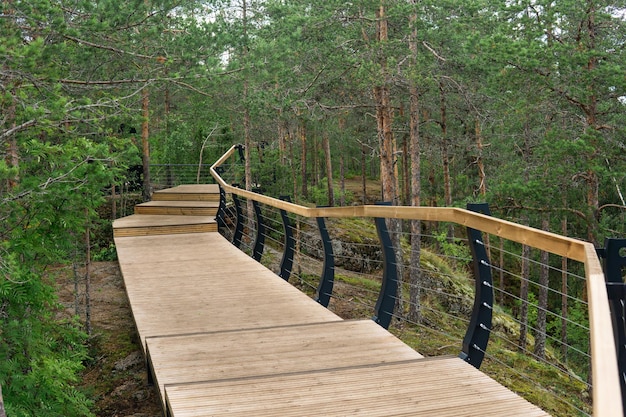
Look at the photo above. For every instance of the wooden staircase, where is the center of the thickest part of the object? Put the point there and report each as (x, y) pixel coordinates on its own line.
(182, 209)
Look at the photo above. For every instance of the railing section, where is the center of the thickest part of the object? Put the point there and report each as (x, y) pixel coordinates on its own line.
(528, 307)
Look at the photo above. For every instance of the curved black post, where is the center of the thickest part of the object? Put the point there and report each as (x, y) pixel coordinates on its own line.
(383, 311)
(238, 234)
(614, 254)
(221, 211)
(240, 148)
(325, 288)
(286, 262)
(259, 242)
(479, 329)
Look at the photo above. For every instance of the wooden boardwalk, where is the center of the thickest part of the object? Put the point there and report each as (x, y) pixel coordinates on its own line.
(225, 336)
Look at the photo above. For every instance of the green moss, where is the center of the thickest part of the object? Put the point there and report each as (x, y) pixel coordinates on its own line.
(354, 229)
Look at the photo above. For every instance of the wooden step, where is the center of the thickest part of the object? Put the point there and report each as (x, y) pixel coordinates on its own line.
(271, 351)
(189, 192)
(147, 225)
(181, 208)
(424, 387)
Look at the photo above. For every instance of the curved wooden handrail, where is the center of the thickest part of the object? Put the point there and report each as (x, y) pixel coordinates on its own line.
(606, 387)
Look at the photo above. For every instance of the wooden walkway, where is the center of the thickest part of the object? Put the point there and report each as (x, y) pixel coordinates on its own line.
(225, 336)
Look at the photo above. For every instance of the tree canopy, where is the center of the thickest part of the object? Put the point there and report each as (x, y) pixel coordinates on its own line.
(519, 103)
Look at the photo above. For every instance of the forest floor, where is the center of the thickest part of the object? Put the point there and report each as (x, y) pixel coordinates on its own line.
(115, 376)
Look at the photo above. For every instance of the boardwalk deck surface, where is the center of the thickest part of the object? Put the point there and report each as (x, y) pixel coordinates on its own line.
(225, 336)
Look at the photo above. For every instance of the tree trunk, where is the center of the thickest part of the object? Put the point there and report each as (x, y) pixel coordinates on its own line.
(12, 155)
(542, 308)
(283, 133)
(302, 132)
(88, 274)
(292, 169)
(415, 274)
(406, 176)
(523, 295)
(482, 187)
(501, 280)
(447, 183)
(12, 150)
(564, 292)
(2, 410)
(363, 174)
(329, 170)
(315, 163)
(145, 144)
(593, 202)
(482, 180)
(342, 182)
(247, 136)
(384, 117)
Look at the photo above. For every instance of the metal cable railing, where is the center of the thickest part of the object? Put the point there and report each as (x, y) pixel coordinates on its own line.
(557, 331)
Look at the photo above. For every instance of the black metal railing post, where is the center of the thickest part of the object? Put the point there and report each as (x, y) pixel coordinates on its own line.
(286, 263)
(259, 241)
(238, 234)
(383, 311)
(479, 329)
(614, 257)
(220, 217)
(327, 280)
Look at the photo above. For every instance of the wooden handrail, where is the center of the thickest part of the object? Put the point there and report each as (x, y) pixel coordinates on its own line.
(606, 387)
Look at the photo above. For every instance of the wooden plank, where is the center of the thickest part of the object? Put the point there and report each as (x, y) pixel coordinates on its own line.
(277, 350)
(144, 225)
(239, 293)
(189, 192)
(145, 220)
(191, 189)
(437, 387)
(190, 208)
(165, 230)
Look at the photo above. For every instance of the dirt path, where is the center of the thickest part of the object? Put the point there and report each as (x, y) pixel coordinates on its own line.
(116, 375)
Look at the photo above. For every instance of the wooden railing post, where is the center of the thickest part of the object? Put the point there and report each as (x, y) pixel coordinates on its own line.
(383, 311)
(614, 256)
(327, 280)
(286, 262)
(479, 329)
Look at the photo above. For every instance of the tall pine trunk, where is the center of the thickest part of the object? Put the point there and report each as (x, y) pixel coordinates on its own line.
(564, 292)
(447, 182)
(523, 295)
(87, 274)
(2, 410)
(329, 169)
(415, 275)
(303, 142)
(542, 308)
(384, 117)
(145, 143)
